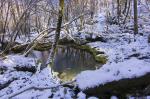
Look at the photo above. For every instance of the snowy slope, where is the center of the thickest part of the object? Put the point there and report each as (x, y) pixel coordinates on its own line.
(127, 58)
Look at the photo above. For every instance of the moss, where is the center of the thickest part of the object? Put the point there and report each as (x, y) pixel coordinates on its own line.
(65, 41)
(101, 58)
(19, 48)
(43, 46)
(39, 47)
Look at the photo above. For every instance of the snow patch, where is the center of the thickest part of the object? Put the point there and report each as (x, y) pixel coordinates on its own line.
(113, 72)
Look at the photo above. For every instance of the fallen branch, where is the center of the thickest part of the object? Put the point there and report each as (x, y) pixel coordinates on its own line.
(43, 34)
(35, 88)
(6, 83)
(36, 40)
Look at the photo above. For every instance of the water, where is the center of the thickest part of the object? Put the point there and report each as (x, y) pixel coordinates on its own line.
(68, 62)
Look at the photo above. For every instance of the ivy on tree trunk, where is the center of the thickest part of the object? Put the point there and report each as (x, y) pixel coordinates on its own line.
(57, 33)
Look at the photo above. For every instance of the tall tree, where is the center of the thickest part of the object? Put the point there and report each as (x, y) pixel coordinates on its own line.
(57, 33)
(127, 11)
(118, 11)
(135, 17)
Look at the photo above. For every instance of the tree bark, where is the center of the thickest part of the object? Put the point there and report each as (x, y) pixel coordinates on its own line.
(125, 6)
(57, 33)
(118, 11)
(135, 17)
(127, 13)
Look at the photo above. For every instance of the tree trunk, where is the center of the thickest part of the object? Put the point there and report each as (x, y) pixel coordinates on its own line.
(125, 6)
(118, 11)
(135, 18)
(127, 13)
(57, 33)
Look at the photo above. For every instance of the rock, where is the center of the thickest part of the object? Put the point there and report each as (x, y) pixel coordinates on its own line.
(65, 40)
(97, 38)
(20, 63)
(144, 57)
(26, 68)
(78, 40)
(112, 20)
(139, 56)
(134, 55)
(3, 69)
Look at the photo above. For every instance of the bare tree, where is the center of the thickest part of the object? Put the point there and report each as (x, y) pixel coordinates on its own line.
(135, 17)
(57, 33)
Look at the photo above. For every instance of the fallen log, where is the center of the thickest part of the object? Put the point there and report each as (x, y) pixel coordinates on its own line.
(40, 47)
(18, 48)
(121, 88)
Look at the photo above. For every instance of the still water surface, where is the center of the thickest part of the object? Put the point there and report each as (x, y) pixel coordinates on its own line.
(68, 62)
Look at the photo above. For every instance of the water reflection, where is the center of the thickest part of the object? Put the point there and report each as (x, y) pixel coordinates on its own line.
(68, 61)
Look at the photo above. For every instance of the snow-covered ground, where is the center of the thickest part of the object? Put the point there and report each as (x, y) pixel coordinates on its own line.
(21, 84)
(27, 85)
(127, 58)
(113, 72)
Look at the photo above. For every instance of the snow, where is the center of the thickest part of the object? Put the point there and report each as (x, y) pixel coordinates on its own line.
(92, 98)
(120, 64)
(147, 97)
(113, 72)
(126, 58)
(63, 93)
(113, 97)
(24, 80)
(18, 60)
(81, 95)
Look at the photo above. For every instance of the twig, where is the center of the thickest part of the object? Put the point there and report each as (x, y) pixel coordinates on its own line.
(34, 87)
(35, 41)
